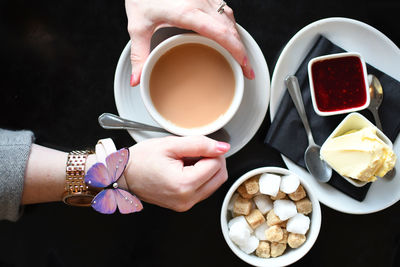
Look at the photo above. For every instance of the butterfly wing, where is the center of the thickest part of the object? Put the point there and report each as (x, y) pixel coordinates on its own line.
(105, 202)
(98, 176)
(127, 203)
(116, 163)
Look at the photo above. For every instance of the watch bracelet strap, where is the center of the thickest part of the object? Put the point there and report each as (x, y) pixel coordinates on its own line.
(104, 147)
(75, 172)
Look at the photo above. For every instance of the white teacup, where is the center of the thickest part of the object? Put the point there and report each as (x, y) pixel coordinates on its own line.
(161, 50)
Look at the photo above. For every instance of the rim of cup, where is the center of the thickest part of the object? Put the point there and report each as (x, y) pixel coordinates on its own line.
(160, 50)
(312, 89)
(288, 257)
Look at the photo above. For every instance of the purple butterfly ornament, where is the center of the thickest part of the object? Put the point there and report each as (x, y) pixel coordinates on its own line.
(106, 177)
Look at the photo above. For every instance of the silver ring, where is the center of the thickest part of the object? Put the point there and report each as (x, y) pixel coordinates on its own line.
(220, 9)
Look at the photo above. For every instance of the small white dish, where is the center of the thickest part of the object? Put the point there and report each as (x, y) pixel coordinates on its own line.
(290, 255)
(238, 131)
(381, 53)
(163, 48)
(356, 121)
(335, 74)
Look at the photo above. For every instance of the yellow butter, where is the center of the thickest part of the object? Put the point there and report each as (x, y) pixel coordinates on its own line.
(359, 155)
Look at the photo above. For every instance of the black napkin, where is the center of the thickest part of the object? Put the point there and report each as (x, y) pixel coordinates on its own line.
(287, 134)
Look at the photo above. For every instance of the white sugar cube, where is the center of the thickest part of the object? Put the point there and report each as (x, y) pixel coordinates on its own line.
(240, 220)
(284, 209)
(239, 234)
(259, 232)
(289, 183)
(298, 224)
(263, 203)
(232, 201)
(250, 245)
(269, 184)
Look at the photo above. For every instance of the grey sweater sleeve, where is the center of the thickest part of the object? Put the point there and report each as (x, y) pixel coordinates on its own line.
(14, 152)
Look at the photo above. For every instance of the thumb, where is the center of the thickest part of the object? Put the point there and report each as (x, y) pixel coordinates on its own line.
(140, 49)
(197, 146)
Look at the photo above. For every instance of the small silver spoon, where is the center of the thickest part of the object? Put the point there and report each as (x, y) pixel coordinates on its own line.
(376, 94)
(315, 165)
(114, 122)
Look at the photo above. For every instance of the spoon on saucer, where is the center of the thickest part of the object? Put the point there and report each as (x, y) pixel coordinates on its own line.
(114, 122)
(376, 93)
(315, 165)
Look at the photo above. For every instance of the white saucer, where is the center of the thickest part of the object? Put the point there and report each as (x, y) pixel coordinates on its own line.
(237, 132)
(377, 50)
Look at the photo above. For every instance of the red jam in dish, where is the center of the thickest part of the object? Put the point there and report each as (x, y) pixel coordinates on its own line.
(339, 83)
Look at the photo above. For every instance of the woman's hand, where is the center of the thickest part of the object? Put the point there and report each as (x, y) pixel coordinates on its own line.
(201, 16)
(157, 172)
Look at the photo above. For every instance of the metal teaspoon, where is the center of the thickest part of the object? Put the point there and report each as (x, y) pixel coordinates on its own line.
(111, 121)
(315, 165)
(376, 93)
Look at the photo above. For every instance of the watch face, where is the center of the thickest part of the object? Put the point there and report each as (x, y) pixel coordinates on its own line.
(79, 200)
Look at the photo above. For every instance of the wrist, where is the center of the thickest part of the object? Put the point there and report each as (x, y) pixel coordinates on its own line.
(44, 179)
(98, 180)
(77, 193)
(108, 179)
(128, 172)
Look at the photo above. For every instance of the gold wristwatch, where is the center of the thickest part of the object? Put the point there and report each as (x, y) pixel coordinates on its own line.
(77, 192)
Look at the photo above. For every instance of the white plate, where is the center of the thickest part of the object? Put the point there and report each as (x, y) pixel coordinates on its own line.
(377, 50)
(238, 131)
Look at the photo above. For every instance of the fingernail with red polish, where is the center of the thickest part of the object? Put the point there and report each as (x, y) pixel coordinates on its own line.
(245, 62)
(252, 74)
(133, 80)
(223, 147)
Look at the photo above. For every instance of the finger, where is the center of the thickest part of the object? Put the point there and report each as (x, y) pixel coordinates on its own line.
(209, 187)
(222, 30)
(195, 146)
(202, 171)
(227, 18)
(229, 12)
(213, 5)
(140, 49)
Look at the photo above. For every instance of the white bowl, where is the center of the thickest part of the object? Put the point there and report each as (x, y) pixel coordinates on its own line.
(160, 50)
(290, 255)
(356, 121)
(312, 86)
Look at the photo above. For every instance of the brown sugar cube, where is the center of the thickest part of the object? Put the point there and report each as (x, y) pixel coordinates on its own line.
(280, 195)
(284, 239)
(283, 224)
(272, 218)
(296, 240)
(274, 233)
(251, 185)
(243, 192)
(304, 206)
(255, 218)
(263, 250)
(277, 249)
(300, 193)
(242, 206)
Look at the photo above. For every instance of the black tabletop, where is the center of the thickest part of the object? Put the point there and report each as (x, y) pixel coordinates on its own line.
(58, 62)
